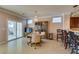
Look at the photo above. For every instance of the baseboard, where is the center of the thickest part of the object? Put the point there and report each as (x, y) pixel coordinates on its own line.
(14, 39)
(4, 42)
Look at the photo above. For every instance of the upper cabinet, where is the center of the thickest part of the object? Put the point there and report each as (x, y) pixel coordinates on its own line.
(74, 22)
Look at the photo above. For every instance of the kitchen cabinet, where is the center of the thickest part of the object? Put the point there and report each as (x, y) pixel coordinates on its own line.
(42, 26)
(74, 22)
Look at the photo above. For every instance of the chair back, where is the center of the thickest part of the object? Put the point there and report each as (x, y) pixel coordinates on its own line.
(59, 31)
(36, 38)
(72, 38)
(59, 34)
(42, 33)
(65, 34)
(73, 41)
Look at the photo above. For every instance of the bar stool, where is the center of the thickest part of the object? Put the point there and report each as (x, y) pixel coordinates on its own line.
(60, 34)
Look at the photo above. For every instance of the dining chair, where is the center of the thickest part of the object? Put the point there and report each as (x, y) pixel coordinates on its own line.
(42, 34)
(73, 42)
(65, 34)
(59, 34)
(77, 44)
(35, 39)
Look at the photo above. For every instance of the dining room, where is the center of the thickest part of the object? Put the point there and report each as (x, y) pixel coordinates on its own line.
(30, 29)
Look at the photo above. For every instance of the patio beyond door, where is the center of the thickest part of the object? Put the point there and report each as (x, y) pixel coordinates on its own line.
(14, 30)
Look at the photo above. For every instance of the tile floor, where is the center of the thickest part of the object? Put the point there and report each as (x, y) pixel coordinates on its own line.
(20, 46)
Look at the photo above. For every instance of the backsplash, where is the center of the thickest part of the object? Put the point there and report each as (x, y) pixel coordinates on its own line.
(75, 29)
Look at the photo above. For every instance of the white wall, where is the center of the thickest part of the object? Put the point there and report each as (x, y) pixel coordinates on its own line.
(66, 24)
(4, 17)
(51, 26)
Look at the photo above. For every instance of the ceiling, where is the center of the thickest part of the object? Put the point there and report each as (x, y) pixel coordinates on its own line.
(42, 10)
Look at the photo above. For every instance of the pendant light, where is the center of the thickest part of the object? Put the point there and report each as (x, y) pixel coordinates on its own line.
(36, 17)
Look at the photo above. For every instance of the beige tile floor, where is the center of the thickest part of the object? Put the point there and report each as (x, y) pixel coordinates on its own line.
(20, 46)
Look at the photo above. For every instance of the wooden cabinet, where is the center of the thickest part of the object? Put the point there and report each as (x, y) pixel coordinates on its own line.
(42, 26)
(74, 22)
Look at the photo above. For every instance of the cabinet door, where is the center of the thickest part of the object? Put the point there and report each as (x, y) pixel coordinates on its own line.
(74, 22)
(78, 22)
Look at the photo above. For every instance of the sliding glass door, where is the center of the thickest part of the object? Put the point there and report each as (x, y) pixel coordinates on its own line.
(14, 30)
(11, 30)
(19, 29)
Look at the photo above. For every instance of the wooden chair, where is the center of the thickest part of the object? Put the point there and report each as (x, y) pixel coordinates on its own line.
(71, 38)
(35, 40)
(29, 40)
(59, 34)
(65, 34)
(77, 44)
(73, 42)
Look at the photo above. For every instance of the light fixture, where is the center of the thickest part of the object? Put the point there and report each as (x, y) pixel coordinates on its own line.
(74, 11)
(36, 17)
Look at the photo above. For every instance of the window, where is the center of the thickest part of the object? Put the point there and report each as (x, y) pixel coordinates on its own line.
(57, 19)
(14, 30)
(29, 21)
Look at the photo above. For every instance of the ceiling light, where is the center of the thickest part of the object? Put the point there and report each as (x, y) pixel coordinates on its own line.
(36, 17)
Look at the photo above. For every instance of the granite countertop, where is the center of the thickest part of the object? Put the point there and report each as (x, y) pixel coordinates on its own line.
(75, 30)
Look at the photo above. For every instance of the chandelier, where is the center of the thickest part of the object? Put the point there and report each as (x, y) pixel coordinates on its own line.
(75, 10)
(36, 17)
